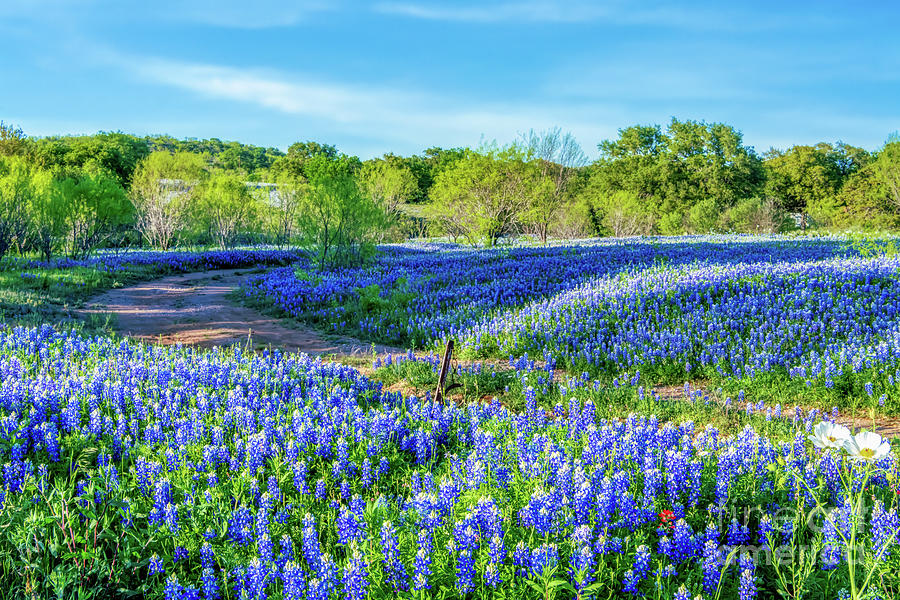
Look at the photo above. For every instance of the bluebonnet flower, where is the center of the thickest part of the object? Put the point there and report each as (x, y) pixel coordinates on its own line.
(355, 580)
(885, 527)
(682, 594)
(638, 571)
(209, 585)
(156, 565)
(422, 566)
(738, 534)
(312, 552)
(747, 588)
(496, 555)
(544, 558)
(294, 581)
(173, 589)
(395, 572)
(463, 544)
(521, 559)
(712, 560)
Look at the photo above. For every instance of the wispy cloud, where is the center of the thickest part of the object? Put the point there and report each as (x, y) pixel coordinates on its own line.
(388, 113)
(614, 12)
(218, 13)
(539, 11)
(258, 14)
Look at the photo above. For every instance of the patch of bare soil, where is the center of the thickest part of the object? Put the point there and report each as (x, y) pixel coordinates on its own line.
(194, 309)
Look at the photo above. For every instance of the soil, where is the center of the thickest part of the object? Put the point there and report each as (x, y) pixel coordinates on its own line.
(194, 309)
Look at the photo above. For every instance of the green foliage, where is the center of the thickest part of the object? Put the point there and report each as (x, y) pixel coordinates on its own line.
(251, 161)
(162, 190)
(755, 215)
(17, 190)
(483, 195)
(115, 153)
(683, 178)
(226, 209)
(622, 214)
(338, 222)
(388, 183)
(93, 205)
(870, 198)
(12, 140)
(869, 246)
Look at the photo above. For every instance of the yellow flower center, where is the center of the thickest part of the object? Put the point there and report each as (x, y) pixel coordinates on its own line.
(831, 438)
(867, 452)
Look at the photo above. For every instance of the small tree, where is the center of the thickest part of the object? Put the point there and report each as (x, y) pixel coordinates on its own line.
(12, 140)
(558, 157)
(16, 194)
(624, 215)
(47, 214)
(227, 208)
(483, 195)
(388, 184)
(162, 189)
(93, 205)
(283, 207)
(339, 221)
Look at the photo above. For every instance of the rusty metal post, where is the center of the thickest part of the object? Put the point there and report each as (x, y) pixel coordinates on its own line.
(442, 377)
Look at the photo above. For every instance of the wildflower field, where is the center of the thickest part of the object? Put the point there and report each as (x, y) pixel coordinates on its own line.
(655, 418)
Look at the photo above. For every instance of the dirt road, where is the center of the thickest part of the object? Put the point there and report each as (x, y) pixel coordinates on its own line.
(194, 309)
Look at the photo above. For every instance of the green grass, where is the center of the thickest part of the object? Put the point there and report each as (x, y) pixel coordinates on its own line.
(610, 401)
(37, 295)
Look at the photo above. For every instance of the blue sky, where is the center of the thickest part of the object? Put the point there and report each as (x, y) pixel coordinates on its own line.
(401, 76)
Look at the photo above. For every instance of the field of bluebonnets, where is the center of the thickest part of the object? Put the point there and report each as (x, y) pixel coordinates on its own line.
(166, 472)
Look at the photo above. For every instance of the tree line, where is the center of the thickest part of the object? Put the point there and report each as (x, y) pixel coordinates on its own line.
(72, 194)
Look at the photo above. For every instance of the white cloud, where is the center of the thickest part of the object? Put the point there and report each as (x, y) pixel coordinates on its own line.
(237, 14)
(541, 11)
(388, 114)
(258, 14)
(617, 12)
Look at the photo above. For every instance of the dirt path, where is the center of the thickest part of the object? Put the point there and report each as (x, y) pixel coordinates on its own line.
(194, 309)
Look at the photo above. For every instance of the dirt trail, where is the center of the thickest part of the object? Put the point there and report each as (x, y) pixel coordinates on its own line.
(194, 309)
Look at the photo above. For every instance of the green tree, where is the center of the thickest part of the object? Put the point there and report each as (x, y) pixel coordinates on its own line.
(870, 198)
(805, 180)
(116, 153)
(47, 213)
(12, 140)
(162, 190)
(16, 195)
(303, 156)
(622, 214)
(338, 220)
(227, 208)
(94, 205)
(282, 207)
(427, 166)
(886, 169)
(558, 157)
(483, 195)
(685, 177)
(755, 215)
(388, 183)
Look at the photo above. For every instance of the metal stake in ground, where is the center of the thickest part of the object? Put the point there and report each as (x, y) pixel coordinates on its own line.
(442, 377)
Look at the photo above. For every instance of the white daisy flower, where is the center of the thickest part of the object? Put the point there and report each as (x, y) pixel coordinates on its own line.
(867, 446)
(829, 435)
